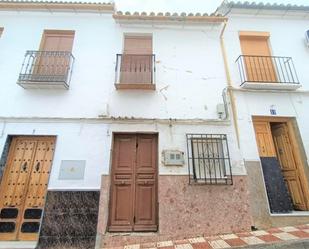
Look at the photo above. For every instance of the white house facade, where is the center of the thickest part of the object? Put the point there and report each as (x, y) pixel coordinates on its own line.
(120, 127)
(115, 123)
(267, 54)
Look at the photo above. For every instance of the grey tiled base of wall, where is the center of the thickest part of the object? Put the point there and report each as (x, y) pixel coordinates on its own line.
(70, 220)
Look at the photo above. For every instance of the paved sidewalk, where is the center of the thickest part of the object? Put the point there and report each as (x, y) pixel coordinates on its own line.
(283, 237)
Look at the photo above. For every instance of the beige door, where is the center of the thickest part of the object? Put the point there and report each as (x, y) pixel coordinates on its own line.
(264, 139)
(136, 63)
(54, 63)
(289, 167)
(23, 187)
(258, 63)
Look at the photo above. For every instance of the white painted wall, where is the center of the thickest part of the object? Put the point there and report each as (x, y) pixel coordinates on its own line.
(287, 38)
(91, 141)
(190, 74)
(189, 80)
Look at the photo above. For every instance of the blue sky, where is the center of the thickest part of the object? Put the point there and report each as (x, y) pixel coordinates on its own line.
(184, 5)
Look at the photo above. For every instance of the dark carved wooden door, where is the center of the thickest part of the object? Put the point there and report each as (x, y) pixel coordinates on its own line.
(134, 183)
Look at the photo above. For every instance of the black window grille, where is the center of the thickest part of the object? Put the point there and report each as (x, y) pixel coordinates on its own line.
(209, 159)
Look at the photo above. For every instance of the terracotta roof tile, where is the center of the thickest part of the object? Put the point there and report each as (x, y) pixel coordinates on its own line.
(186, 17)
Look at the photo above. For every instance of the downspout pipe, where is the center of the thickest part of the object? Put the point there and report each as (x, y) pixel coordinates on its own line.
(229, 84)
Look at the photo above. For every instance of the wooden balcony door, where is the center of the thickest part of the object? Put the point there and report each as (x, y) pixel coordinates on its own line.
(136, 63)
(23, 187)
(133, 204)
(258, 61)
(54, 63)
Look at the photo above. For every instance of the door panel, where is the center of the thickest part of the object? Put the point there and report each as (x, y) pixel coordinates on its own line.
(138, 45)
(259, 64)
(22, 186)
(264, 139)
(37, 187)
(133, 191)
(122, 197)
(145, 215)
(288, 165)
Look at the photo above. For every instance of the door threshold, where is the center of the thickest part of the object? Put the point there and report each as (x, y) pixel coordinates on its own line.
(18, 244)
(293, 213)
(112, 234)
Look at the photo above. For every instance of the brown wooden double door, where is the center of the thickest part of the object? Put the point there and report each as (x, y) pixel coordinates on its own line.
(277, 139)
(133, 203)
(23, 187)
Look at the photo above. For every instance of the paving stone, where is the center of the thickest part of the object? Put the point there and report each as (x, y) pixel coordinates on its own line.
(253, 240)
(203, 245)
(165, 243)
(276, 238)
(197, 240)
(289, 229)
(137, 246)
(300, 234)
(229, 236)
(285, 236)
(184, 246)
(235, 242)
(218, 244)
(260, 232)
(269, 238)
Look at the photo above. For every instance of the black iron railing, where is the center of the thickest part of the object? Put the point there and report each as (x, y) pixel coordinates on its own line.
(49, 67)
(135, 69)
(209, 159)
(266, 69)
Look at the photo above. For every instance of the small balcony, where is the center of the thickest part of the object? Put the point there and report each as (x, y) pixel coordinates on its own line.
(267, 72)
(46, 70)
(135, 71)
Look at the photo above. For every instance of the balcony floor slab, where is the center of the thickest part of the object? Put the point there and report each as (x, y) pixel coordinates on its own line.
(270, 86)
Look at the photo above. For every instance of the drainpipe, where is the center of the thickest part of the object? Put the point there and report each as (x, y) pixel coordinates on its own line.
(229, 84)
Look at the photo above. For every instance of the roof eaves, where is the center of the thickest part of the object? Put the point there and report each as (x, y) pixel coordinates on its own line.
(228, 5)
(183, 17)
(56, 5)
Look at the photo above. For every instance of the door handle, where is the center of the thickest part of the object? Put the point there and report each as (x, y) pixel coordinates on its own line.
(37, 167)
(24, 167)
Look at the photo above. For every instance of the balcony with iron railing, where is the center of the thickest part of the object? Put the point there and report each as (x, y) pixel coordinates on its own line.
(135, 71)
(267, 72)
(46, 69)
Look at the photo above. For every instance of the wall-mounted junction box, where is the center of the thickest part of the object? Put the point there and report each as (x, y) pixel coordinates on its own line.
(173, 158)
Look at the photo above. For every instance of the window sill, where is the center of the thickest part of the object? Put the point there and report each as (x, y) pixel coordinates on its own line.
(270, 86)
(138, 86)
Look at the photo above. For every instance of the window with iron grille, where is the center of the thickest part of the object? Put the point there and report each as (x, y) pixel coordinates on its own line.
(209, 159)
